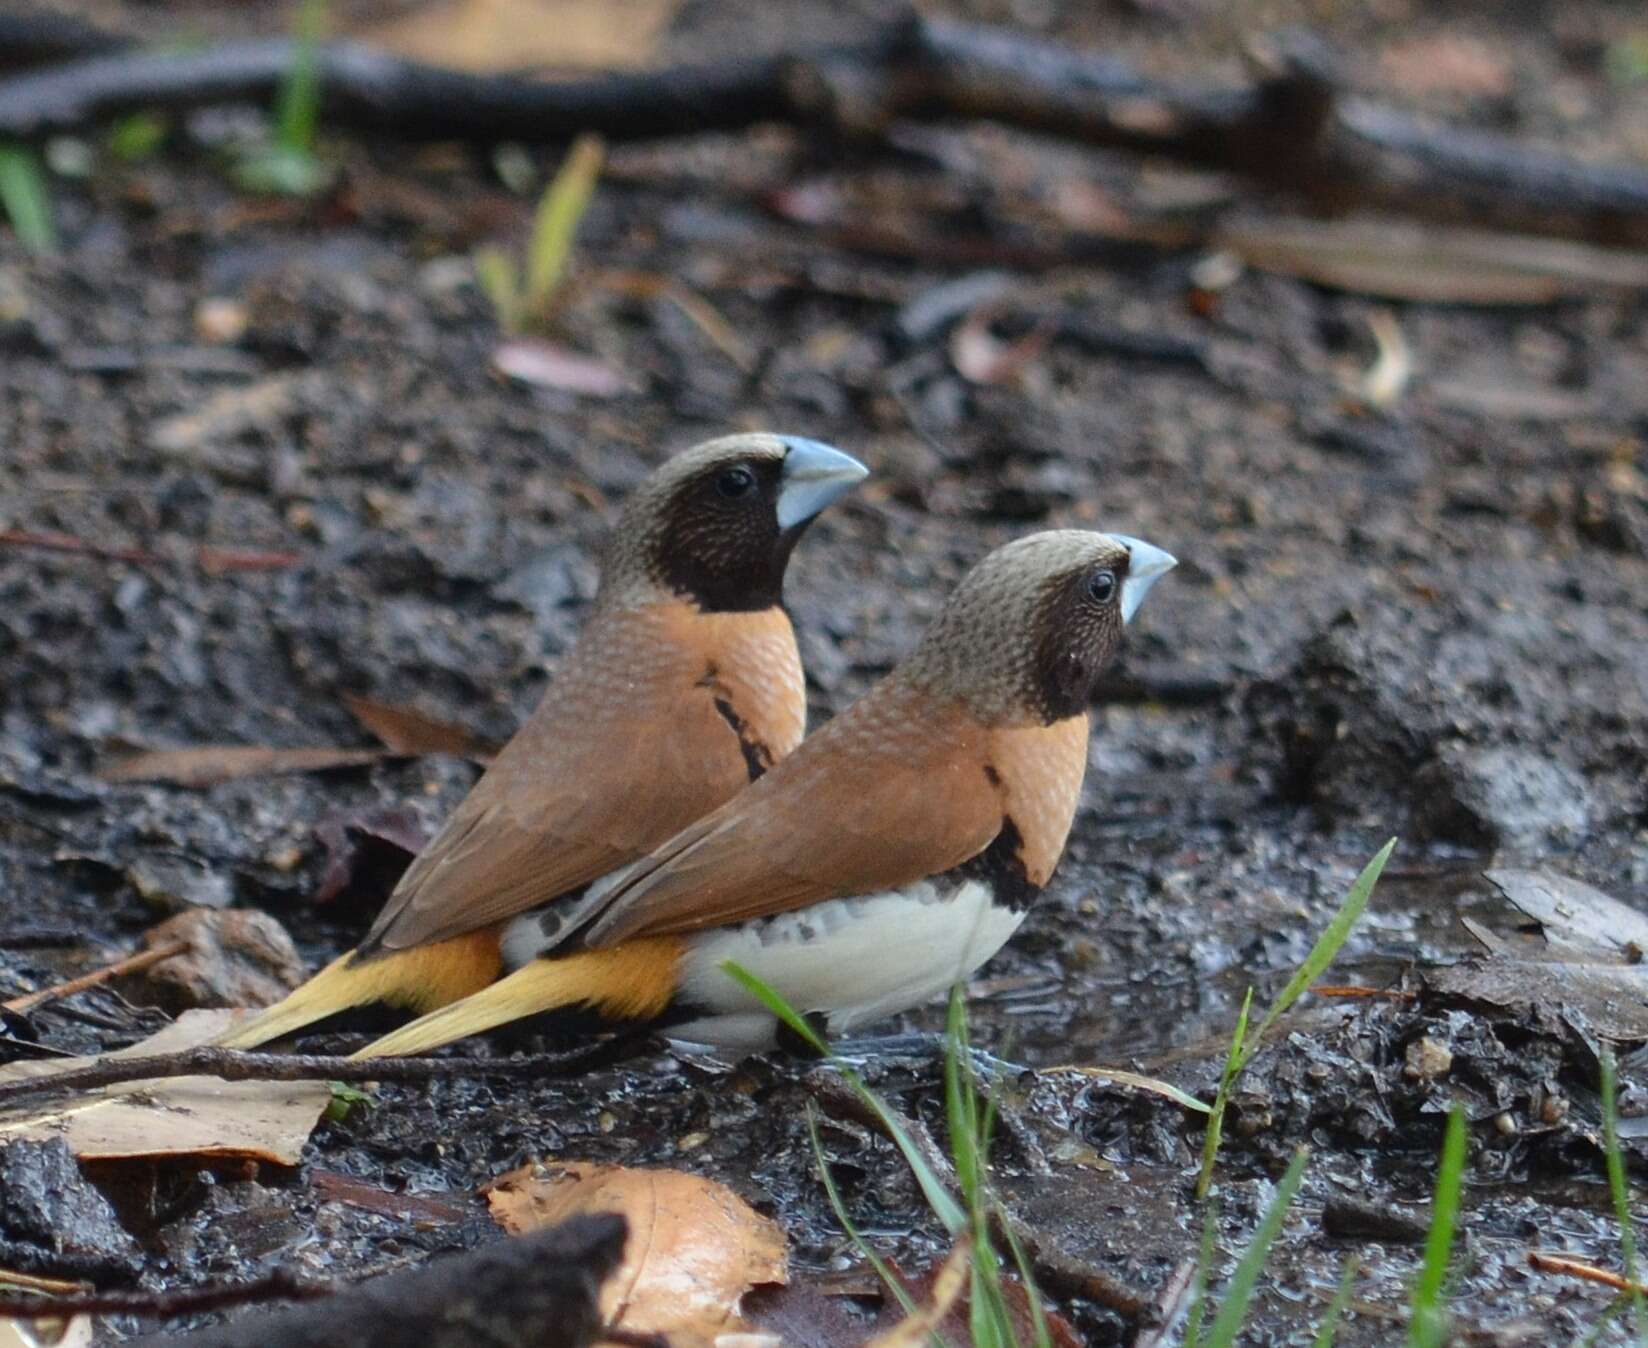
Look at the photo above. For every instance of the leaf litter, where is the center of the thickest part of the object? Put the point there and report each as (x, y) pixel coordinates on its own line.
(695, 1248)
(199, 1118)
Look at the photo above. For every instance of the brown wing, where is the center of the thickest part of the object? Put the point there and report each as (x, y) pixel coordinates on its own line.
(632, 743)
(893, 790)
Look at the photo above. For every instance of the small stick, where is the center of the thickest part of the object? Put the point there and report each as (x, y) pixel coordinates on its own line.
(279, 1285)
(212, 560)
(1170, 1306)
(130, 965)
(230, 1064)
(1357, 990)
(33, 1282)
(1576, 1268)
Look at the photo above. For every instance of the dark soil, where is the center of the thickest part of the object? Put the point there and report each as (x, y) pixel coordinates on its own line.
(1430, 621)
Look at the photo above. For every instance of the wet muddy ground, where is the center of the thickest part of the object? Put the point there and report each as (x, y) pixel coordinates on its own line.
(1429, 621)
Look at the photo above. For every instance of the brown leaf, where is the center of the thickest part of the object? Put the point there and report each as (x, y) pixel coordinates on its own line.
(944, 1289)
(694, 1246)
(408, 731)
(424, 1210)
(1447, 63)
(366, 854)
(180, 1116)
(211, 764)
(493, 36)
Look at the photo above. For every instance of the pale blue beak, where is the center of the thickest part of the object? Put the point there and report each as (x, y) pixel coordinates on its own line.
(814, 477)
(1146, 565)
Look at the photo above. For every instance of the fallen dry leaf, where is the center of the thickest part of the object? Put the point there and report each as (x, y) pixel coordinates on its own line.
(408, 731)
(694, 1247)
(212, 764)
(547, 365)
(496, 36)
(178, 1116)
(1431, 263)
(946, 1285)
(1574, 916)
(1447, 63)
(366, 854)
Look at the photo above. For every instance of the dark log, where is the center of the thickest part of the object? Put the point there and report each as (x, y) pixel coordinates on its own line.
(1294, 129)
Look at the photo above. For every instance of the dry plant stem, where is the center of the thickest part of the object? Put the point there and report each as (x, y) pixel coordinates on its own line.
(277, 1286)
(236, 1065)
(214, 561)
(32, 1282)
(1296, 130)
(1356, 990)
(1170, 1307)
(1575, 1268)
(130, 965)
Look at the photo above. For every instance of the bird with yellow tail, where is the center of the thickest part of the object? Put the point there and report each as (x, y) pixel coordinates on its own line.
(888, 857)
(683, 687)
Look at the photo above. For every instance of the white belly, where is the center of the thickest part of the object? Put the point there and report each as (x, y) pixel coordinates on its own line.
(855, 960)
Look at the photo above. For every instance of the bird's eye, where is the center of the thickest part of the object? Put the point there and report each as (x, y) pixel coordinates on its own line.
(735, 482)
(1102, 586)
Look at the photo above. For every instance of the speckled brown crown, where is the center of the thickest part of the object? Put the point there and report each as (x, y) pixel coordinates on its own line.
(997, 643)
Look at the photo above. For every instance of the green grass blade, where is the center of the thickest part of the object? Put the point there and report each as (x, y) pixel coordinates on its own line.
(1216, 1116)
(1227, 1324)
(1427, 1324)
(875, 1261)
(297, 111)
(1204, 1271)
(1329, 1327)
(26, 197)
(555, 224)
(500, 282)
(961, 1105)
(944, 1207)
(777, 1005)
(1326, 948)
(1620, 1192)
(1038, 1312)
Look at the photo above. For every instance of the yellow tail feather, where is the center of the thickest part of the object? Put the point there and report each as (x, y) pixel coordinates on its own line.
(632, 981)
(417, 980)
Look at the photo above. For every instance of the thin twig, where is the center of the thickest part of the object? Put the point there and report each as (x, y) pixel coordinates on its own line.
(33, 1282)
(1576, 1268)
(1170, 1306)
(130, 965)
(212, 560)
(230, 1064)
(1358, 990)
(277, 1286)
